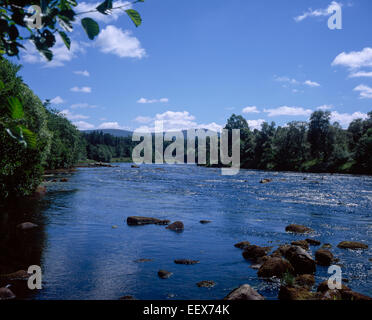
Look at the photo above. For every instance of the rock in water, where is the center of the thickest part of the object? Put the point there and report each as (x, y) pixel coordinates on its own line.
(206, 284)
(64, 180)
(324, 257)
(186, 261)
(6, 294)
(301, 260)
(275, 267)
(266, 180)
(127, 298)
(253, 252)
(134, 166)
(313, 242)
(297, 228)
(244, 292)
(305, 280)
(242, 244)
(18, 275)
(27, 226)
(301, 243)
(295, 293)
(163, 274)
(139, 221)
(353, 245)
(205, 221)
(176, 226)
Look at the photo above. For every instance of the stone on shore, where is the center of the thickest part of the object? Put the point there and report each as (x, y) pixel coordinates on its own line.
(6, 294)
(301, 260)
(313, 242)
(176, 226)
(164, 274)
(26, 226)
(297, 228)
(244, 292)
(139, 221)
(206, 284)
(242, 244)
(186, 261)
(353, 245)
(275, 267)
(324, 257)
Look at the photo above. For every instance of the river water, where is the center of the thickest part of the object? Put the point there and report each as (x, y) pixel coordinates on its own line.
(83, 257)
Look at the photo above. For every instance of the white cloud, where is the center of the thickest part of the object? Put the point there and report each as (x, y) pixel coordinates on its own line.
(81, 89)
(360, 74)
(255, 124)
(84, 73)
(286, 80)
(141, 119)
(57, 100)
(71, 116)
(82, 105)
(144, 100)
(364, 91)
(111, 125)
(61, 54)
(317, 12)
(82, 125)
(354, 59)
(288, 111)
(311, 83)
(325, 107)
(345, 118)
(118, 42)
(250, 109)
(115, 14)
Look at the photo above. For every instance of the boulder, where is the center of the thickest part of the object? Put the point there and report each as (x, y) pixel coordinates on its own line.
(326, 246)
(295, 293)
(186, 261)
(301, 260)
(6, 294)
(163, 274)
(305, 280)
(281, 251)
(242, 244)
(302, 243)
(139, 221)
(253, 252)
(323, 287)
(324, 257)
(275, 267)
(206, 284)
(313, 242)
(353, 245)
(244, 292)
(345, 293)
(26, 226)
(297, 228)
(40, 191)
(176, 226)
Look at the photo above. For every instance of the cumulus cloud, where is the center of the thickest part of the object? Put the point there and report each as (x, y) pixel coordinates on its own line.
(82, 125)
(360, 74)
(71, 116)
(57, 100)
(286, 79)
(288, 111)
(111, 125)
(250, 109)
(364, 91)
(325, 107)
(113, 16)
(120, 43)
(141, 119)
(344, 119)
(317, 12)
(82, 105)
(354, 59)
(84, 73)
(311, 83)
(81, 89)
(255, 124)
(144, 100)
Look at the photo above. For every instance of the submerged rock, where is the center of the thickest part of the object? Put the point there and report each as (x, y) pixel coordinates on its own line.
(142, 260)
(206, 284)
(297, 228)
(353, 245)
(301, 243)
(244, 292)
(313, 242)
(301, 260)
(275, 267)
(324, 257)
(176, 226)
(139, 221)
(6, 294)
(186, 261)
(242, 244)
(27, 226)
(164, 274)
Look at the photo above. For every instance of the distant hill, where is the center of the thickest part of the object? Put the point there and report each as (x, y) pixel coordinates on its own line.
(114, 132)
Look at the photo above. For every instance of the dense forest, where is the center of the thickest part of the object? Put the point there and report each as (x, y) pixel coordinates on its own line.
(54, 142)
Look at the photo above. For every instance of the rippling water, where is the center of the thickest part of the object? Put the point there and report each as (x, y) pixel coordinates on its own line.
(83, 257)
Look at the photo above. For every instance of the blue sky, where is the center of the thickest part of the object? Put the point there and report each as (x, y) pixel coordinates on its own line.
(194, 63)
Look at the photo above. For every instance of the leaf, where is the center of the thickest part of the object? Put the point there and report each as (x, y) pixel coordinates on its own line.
(15, 107)
(91, 27)
(65, 39)
(16, 133)
(29, 137)
(2, 85)
(135, 16)
(105, 6)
